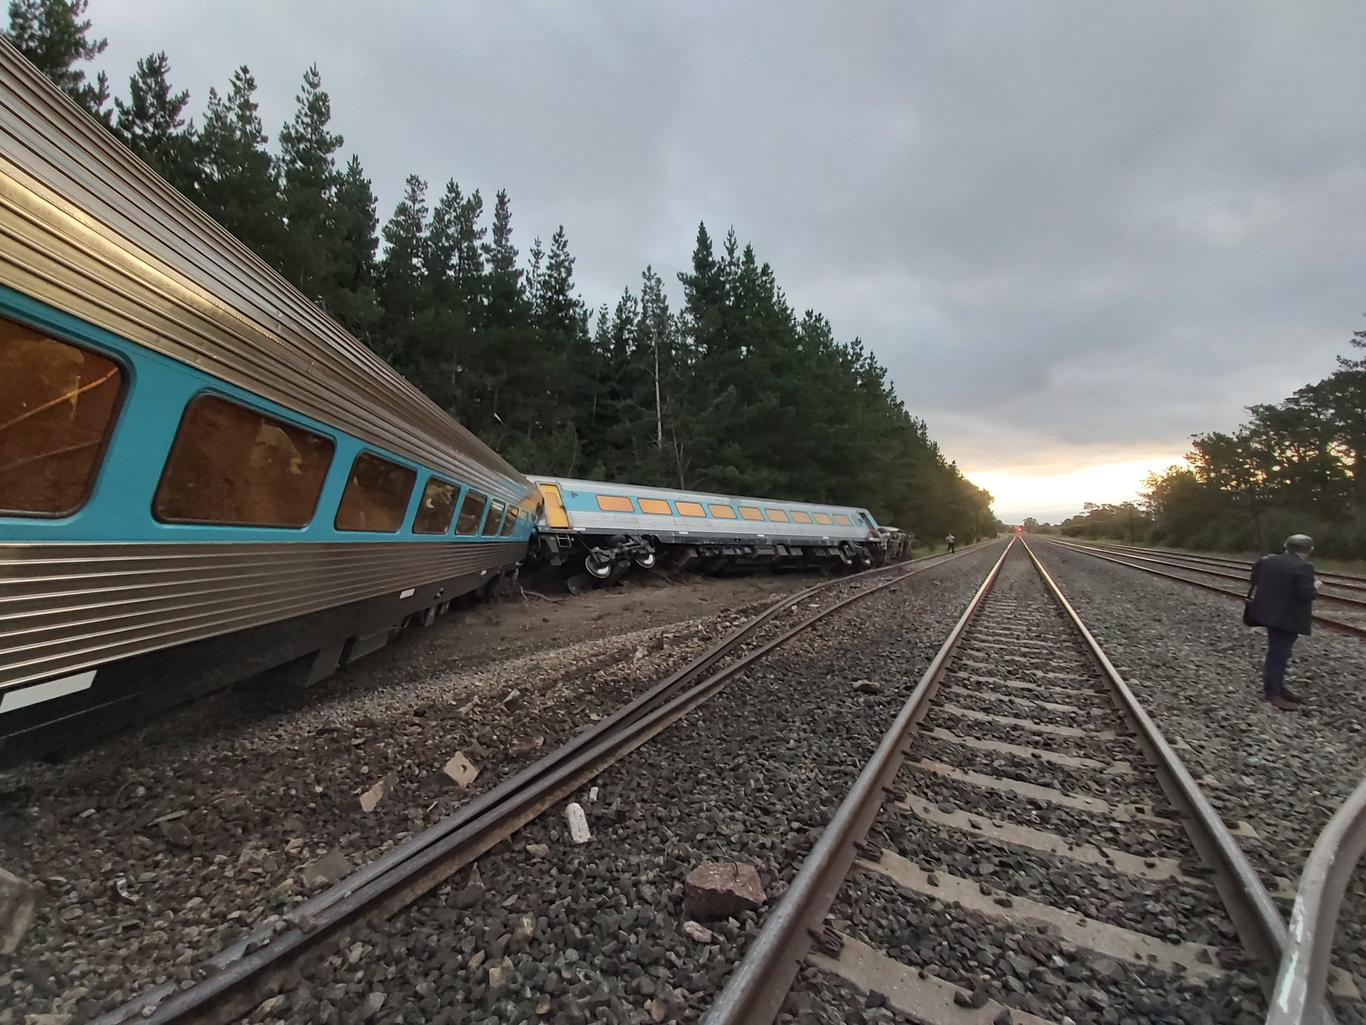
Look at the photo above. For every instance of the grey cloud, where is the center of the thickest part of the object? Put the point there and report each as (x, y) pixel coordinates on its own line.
(1094, 227)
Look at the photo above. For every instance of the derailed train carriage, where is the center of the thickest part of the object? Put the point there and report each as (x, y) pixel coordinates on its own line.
(604, 529)
(202, 476)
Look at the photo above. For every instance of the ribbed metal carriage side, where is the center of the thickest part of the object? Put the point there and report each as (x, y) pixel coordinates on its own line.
(89, 229)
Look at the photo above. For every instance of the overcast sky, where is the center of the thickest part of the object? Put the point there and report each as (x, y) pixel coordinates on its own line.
(1076, 233)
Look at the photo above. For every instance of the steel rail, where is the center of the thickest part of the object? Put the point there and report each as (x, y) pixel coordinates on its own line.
(1223, 572)
(1332, 624)
(1348, 581)
(1299, 996)
(266, 961)
(1250, 907)
(756, 990)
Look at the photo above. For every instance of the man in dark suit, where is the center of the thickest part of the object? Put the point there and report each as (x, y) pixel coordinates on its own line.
(1282, 600)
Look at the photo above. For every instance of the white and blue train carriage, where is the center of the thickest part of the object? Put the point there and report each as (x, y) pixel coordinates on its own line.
(202, 476)
(605, 528)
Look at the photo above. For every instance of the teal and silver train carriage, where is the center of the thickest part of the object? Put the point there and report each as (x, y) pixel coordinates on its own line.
(604, 529)
(202, 476)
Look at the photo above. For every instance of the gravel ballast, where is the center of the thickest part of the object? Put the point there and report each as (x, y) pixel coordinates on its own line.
(596, 932)
(1197, 670)
(950, 899)
(158, 845)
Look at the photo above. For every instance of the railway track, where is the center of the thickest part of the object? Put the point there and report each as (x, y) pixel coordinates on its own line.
(1343, 581)
(1340, 607)
(268, 961)
(1023, 847)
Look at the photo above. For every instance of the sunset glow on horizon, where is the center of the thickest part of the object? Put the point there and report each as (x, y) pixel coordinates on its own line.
(1052, 492)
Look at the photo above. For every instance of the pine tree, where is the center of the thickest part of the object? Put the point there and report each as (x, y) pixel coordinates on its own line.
(309, 181)
(350, 292)
(55, 37)
(238, 186)
(404, 288)
(152, 125)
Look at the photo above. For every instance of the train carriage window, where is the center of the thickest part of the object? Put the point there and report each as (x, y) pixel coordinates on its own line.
(376, 495)
(655, 506)
(750, 512)
(57, 408)
(495, 521)
(437, 508)
(510, 523)
(615, 503)
(776, 515)
(234, 465)
(800, 517)
(842, 520)
(824, 518)
(721, 512)
(690, 509)
(471, 513)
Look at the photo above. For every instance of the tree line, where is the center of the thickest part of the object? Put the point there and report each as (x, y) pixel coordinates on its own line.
(1293, 467)
(734, 391)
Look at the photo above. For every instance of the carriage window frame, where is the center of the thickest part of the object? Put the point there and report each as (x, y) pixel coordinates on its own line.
(479, 517)
(510, 521)
(350, 475)
(693, 509)
(751, 512)
(843, 520)
(776, 515)
(825, 519)
(271, 417)
(455, 505)
(615, 503)
(491, 528)
(125, 379)
(655, 506)
(721, 512)
(800, 516)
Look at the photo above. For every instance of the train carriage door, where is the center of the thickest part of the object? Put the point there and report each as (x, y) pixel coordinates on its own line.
(555, 516)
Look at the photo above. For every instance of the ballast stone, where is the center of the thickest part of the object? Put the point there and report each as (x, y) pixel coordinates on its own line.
(578, 824)
(18, 900)
(719, 889)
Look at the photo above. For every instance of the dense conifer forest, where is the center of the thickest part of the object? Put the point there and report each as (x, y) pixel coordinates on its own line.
(735, 391)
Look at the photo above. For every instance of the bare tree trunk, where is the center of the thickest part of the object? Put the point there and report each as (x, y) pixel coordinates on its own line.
(659, 409)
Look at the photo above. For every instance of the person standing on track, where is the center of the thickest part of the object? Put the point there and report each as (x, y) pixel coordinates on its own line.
(952, 543)
(1281, 598)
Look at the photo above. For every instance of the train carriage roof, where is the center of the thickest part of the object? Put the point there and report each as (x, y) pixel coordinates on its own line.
(645, 491)
(90, 229)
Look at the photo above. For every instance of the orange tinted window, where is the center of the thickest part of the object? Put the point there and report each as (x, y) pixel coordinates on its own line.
(231, 464)
(842, 519)
(437, 507)
(655, 507)
(471, 513)
(800, 517)
(614, 503)
(749, 512)
(824, 518)
(776, 515)
(722, 512)
(57, 406)
(376, 495)
(689, 509)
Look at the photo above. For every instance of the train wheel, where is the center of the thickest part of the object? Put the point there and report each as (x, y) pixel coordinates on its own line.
(599, 565)
(646, 561)
(579, 583)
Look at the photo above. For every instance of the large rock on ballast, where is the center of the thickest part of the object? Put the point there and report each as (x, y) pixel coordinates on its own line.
(719, 889)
